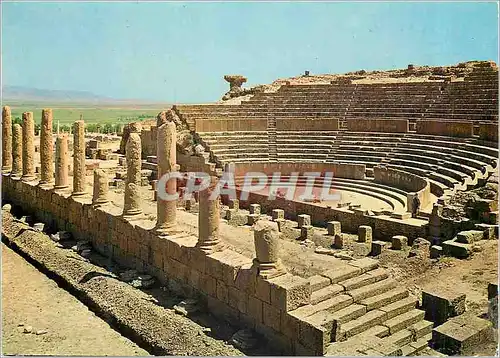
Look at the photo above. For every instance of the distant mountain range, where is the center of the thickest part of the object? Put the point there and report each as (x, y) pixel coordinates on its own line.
(29, 94)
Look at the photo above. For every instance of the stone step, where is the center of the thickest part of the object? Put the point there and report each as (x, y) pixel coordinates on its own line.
(325, 293)
(365, 264)
(417, 347)
(404, 320)
(365, 279)
(384, 298)
(373, 289)
(349, 313)
(376, 331)
(341, 274)
(421, 328)
(332, 304)
(318, 282)
(399, 307)
(360, 324)
(400, 338)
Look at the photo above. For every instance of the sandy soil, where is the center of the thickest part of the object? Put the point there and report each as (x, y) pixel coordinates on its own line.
(32, 299)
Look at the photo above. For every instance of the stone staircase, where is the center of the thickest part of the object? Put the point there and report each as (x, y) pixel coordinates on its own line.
(271, 132)
(363, 309)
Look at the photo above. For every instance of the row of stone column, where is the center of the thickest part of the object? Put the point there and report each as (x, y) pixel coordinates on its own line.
(18, 158)
(18, 151)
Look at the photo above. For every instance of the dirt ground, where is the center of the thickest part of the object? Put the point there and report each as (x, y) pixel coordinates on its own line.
(29, 298)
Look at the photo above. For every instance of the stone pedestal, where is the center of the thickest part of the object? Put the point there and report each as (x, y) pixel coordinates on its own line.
(61, 180)
(333, 227)
(28, 147)
(79, 158)
(364, 233)
(100, 189)
(304, 220)
(132, 204)
(46, 148)
(17, 151)
(267, 247)
(167, 160)
(208, 220)
(6, 139)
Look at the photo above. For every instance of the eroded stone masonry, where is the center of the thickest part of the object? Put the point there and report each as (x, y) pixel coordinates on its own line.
(414, 157)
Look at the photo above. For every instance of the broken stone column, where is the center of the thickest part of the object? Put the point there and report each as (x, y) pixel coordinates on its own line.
(161, 119)
(6, 139)
(266, 240)
(28, 147)
(333, 227)
(167, 163)
(17, 151)
(208, 220)
(132, 204)
(61, 162)
(304, 220)
(100, 189)
(46, 148)
(79, 158)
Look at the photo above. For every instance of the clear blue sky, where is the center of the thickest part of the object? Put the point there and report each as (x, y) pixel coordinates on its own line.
(179, 52)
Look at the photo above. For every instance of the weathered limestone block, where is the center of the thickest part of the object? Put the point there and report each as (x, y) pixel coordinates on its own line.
(377, 247)
(208, 220)
(6, 139)
(493, 303)
(62, 169)
(333, 227)
(235, 82)
(167, 163)
(456, 249)
(469, 236)
(278, 214)
(79, 158)
(289, 292)
(255, 209)
(303, 220)
(436, 251)
(461, 335)
(46, 148)
(306, 232)
(338, 241)
(235, 217)
(399, 242)
(252, 218)
(234, 204)
(101, 188)
(267, 246)
(28, 147)
(364, 233)
(17, 151)
(420, 247)
(441, 305)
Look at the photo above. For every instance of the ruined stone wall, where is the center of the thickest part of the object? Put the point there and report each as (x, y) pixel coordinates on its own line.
(307, 124)
(445, 128)
(225, 281)
(409, 182)
(230, 125)
(377, 125)
(488, 131)
(384, 226)
(340, 170)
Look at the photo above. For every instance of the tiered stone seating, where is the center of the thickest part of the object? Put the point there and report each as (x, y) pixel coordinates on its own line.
(362, 307)
(237, 147)
(396, 198)
(448, 163)
(311, 146)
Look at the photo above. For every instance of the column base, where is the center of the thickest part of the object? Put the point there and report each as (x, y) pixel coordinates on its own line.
(132, 214)
(60, 187)
(270, 269)
(28, 178)
(6, 170)
(79, 193)
(167, 231)
(211, 246)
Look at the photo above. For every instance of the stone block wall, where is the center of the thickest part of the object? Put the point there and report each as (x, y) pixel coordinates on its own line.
(340, 170)
(230, 125)
(488, 131)
(412, 183)
(226, 281)
(377, 125)
(307, 124)
(446, 128)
